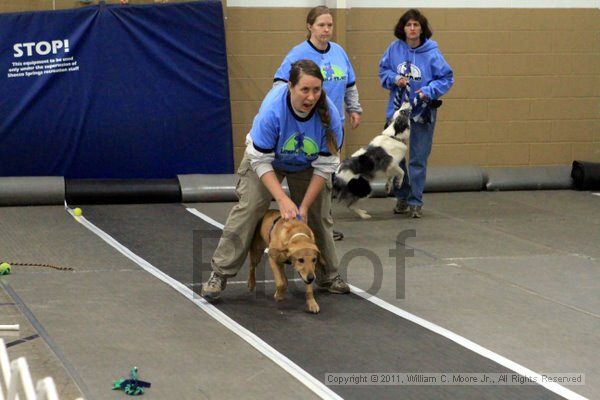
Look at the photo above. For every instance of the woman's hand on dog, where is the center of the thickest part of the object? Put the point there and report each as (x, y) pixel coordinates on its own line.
(287, 208)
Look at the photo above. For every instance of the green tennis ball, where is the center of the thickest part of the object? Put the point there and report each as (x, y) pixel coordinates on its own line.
(4, 268)
(77, 212)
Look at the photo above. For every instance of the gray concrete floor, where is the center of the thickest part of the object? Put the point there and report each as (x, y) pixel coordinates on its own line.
(110, 315)
(516, 272)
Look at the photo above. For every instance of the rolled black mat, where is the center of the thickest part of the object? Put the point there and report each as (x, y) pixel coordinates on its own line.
(122, 191)
(528, 178)
(586, 175)
(207, 188)
(31, 190)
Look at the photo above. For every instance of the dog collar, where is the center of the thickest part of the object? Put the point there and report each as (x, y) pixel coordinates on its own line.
(299, 234)
(400, 140)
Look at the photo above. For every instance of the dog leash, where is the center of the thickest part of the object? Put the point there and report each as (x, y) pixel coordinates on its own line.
(420, 109)
(273, 226)
(403, 95)
(21, 264)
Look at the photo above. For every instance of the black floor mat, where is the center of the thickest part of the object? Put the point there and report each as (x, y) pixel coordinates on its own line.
(350, 335)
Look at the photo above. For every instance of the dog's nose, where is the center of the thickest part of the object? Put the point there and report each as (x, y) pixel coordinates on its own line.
(310, 277)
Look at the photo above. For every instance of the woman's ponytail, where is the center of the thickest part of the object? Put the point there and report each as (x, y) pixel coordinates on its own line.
(323, 112)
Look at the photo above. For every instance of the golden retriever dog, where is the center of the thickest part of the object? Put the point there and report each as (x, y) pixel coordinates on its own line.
(288, 242)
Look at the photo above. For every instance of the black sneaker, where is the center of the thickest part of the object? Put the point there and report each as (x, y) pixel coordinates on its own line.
(212, 288)
(337, 235)
(401, 207)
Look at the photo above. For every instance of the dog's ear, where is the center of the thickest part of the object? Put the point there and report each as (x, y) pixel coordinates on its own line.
(402, 122)
(279, 255)
(359, 187)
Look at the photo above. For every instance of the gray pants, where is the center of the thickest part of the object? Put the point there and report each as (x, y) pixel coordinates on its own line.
(254, 201)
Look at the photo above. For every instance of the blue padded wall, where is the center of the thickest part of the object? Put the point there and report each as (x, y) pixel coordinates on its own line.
(114, 91)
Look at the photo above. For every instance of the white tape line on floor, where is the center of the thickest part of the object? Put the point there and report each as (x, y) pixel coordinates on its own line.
(482, 351)
(293, 369)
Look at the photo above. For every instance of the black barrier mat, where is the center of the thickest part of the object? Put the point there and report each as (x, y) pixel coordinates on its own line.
(350, 335)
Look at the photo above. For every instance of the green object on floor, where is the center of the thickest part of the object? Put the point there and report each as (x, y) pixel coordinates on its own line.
(132, 386)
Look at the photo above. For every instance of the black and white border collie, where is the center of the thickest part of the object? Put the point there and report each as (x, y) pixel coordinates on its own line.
(380, 158)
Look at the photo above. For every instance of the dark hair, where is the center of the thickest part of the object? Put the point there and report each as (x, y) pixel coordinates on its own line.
(415, 14)
(315, 13)
(308, 67)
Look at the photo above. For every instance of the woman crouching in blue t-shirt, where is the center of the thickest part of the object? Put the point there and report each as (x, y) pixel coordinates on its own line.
(297, 135)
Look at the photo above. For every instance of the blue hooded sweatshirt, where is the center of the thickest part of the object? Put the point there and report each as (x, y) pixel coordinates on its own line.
(429, 71)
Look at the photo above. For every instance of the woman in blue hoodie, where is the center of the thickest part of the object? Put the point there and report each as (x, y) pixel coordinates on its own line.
(415, 59)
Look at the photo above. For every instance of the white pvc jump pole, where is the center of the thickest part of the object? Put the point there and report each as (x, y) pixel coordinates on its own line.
(9, 327)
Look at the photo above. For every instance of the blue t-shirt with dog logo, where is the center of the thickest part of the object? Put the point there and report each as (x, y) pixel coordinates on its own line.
(296, 141)
(335, 66)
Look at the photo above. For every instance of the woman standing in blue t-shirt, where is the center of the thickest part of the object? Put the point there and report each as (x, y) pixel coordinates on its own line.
(338, 74)
(295, 135)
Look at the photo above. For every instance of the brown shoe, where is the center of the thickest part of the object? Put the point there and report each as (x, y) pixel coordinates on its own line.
(415, 212)
(336, 285)
(212, 288)
(401, 207)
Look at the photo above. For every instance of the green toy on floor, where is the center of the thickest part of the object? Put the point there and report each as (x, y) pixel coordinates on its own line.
(132, 386)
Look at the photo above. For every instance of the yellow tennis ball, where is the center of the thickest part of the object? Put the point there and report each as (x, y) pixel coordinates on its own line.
(77, 212)
(4, 268)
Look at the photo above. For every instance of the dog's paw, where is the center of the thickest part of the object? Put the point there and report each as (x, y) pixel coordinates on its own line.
(363, 214)
(251, 284)
(279, 296)
(389, 185)
(398, 182)
(312, 307)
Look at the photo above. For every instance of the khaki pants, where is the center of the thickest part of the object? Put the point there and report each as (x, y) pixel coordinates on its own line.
(254, 201)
